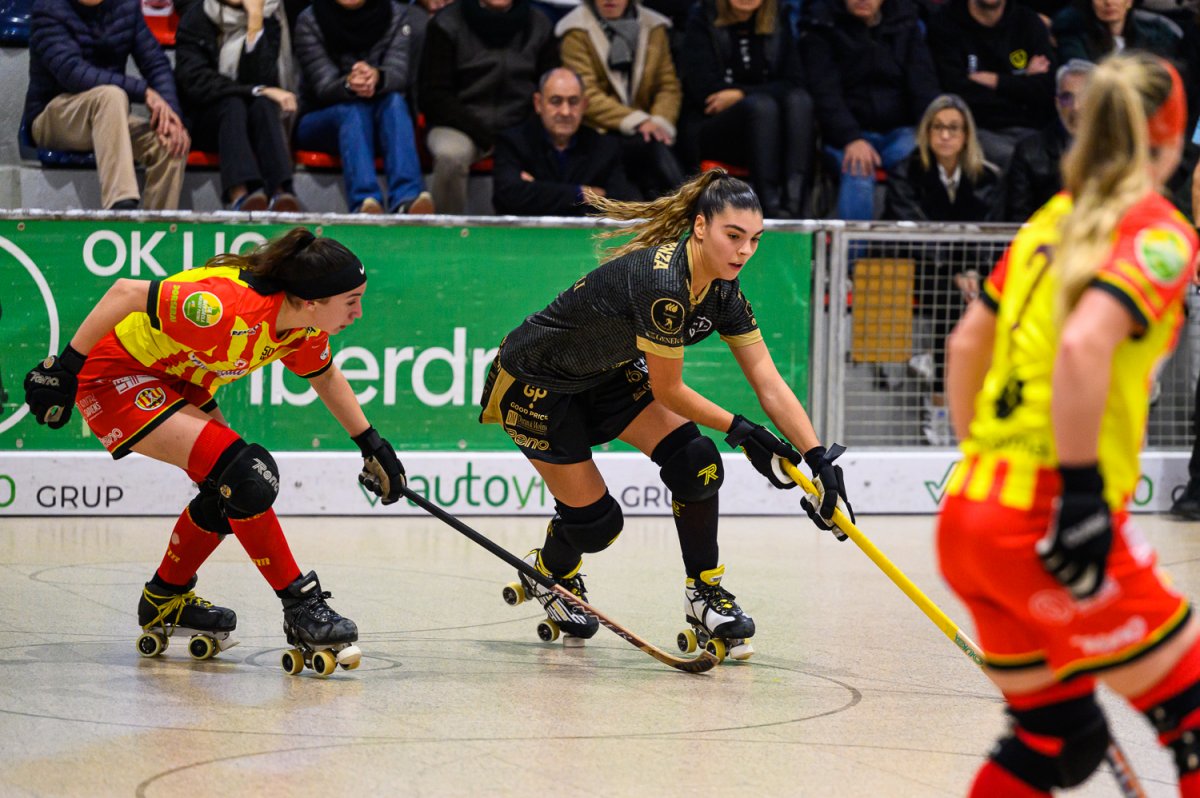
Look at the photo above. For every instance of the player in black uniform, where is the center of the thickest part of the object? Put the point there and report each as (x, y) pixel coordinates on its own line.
(579, 373)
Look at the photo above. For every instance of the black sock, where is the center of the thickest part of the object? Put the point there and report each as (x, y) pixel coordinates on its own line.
(696, 523)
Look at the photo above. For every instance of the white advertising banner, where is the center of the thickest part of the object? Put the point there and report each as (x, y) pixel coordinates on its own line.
(489, 483)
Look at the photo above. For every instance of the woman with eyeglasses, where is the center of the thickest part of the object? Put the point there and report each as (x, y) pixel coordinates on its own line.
(945, 179)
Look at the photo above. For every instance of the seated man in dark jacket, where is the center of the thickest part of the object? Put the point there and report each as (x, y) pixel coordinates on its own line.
(876, 79)
(79, 96)
(543, 166)
(1033, 175)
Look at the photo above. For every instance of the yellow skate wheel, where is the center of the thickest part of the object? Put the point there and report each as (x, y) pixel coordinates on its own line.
(202, 647)
(717, 649)
(324, 663)
(686, 641)
(514, 593)
(548, 631)
(292, 661)
(151, 644)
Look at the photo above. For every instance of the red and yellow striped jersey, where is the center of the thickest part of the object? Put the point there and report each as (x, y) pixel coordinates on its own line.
(207, 326)
(1152, 259)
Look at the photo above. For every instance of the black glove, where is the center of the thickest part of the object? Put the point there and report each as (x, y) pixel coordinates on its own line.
(764, 450)
(50, 387)
(831, 489)
(1075, 548)
(383, 473)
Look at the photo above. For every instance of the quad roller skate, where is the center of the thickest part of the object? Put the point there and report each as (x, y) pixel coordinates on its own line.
(561, 618)
(717, 622)
(320, 638)
(163, 611)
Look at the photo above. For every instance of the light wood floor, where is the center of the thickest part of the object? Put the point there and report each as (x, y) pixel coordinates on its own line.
(852, 692)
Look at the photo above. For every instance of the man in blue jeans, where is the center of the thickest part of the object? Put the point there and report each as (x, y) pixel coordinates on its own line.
(877, 77)
(357, 60)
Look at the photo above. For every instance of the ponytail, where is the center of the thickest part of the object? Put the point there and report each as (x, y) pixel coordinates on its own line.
(1107, 169)
(669, 217)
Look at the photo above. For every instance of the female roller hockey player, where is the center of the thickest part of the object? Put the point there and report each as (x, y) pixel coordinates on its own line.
(143, 369)
(605, 360)
(1049, 377)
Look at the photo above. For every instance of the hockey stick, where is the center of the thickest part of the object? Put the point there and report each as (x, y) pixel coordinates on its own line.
(706, 661)
(1127, 780)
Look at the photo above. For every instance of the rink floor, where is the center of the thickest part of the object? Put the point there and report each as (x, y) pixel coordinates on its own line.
(852, 691)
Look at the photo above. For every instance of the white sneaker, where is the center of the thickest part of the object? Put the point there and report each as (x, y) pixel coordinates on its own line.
(935, 424)
(920, 366)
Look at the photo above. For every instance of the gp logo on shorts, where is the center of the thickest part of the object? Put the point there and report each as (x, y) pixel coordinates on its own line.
(202, 309)
(150, 398)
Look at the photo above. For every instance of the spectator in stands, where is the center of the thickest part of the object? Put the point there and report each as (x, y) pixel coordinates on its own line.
(79, 96)
(1091, 29)
(877, 78)
(544, 165)
(745, 99)
(620, 49)
(946, 179)
(480, 65)
(357, 61)
(996, 55)
(229, 65)
(1033, 175)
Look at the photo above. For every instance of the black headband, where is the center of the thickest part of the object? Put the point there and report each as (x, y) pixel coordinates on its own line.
(347, 278)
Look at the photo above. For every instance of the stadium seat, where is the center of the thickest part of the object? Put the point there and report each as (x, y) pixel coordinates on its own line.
(64, 159)
(736, 171)
(162, 20)
(14, 22)
(203, 160)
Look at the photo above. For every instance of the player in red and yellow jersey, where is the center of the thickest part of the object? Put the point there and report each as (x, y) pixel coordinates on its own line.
(144, 367)
(1049, 379)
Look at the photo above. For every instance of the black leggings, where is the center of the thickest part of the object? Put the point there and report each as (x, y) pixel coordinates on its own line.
(248, 134)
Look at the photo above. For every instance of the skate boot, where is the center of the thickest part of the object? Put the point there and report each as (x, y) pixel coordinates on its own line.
(717, 622)
(561, 616)
(321, 639)
(163, 611)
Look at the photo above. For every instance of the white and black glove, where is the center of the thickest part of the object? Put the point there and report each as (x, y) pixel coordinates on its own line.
(830, 486)
(51, 385)
(382, 473)
(764, 450)
(1076, 546)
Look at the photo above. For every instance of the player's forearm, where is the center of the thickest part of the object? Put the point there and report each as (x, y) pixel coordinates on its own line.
(336, 394)
(789, 416)
(123, 297)
(681, 399)
(968, 358)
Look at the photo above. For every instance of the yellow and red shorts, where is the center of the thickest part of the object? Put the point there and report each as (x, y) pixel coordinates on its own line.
(122, 404)
(1024, 618)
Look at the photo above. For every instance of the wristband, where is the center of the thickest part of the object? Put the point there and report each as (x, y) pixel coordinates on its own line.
(814, 456)
(258, 90)
(1081, 479)
(368, 442)
(72, 360)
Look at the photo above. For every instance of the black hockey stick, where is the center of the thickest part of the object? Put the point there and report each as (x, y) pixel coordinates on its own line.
(705, 662)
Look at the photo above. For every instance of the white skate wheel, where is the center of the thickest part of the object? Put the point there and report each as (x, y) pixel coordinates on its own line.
(571, 641)
(349, 657)
(742, 651)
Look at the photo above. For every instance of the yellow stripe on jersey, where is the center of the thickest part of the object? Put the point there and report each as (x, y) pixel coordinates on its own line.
(743, 339)
(672, 352)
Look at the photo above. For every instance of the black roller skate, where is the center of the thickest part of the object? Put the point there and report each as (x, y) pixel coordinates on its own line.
(717, 622)
(163, 611)
(561, 616)
(321, 638)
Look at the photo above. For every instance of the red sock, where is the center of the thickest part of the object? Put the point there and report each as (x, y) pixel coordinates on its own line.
(262, 538)
(993, 781)
(1189, 786)
(189, 548)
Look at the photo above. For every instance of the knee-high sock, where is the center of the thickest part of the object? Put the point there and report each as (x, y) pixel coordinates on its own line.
(189, 548)
(696, 523)
(1182, 677)
(262, 538)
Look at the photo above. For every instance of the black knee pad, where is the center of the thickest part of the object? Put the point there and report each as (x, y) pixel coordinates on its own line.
(208, 512)
(1168, 717)
(691, 466)
(1081, 726)
(247, 481)
(596, 535)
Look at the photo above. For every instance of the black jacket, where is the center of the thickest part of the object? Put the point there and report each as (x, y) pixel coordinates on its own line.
(916, 194)
(878, 78)
(323, 76)
(961, 45)
(196, 57)
(592, 159)
(1033, 175)
(479, 89)
(707, 61)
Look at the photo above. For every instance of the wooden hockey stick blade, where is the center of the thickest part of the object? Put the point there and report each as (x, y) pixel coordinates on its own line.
(1127, 780)
(706, 661)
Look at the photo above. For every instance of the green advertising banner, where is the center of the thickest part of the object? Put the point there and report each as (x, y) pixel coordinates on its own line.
(438, 301)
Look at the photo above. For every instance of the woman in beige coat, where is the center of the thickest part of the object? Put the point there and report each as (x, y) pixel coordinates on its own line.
(621, 51)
